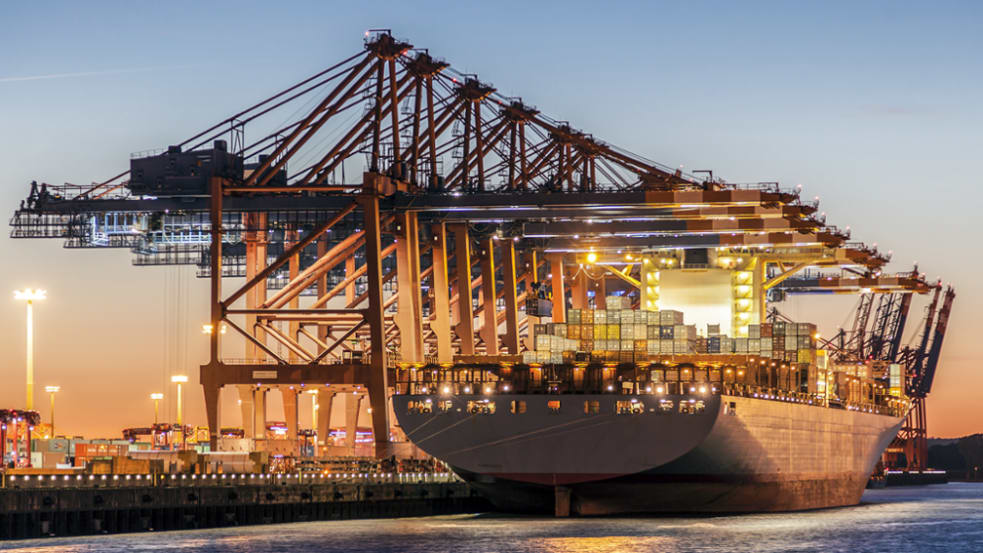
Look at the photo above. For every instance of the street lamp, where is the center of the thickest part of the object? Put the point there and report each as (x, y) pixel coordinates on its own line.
(52, 390)
(157, 396)
(179, 379)
(30, 296)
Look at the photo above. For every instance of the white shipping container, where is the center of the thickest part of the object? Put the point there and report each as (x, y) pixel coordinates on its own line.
(754, 332)
(670, 317)
(627, 331)
(614, 317)
(680, 346)
(556, 358)
(529, 357)
(654, 346)
(600, 317)
(560, 329)
(753, 345)
(740, 345)
(640, 332)
(627, 345)
(543, 342)
(726, 345)
(614, 302)
(791, 343)
(766, 344)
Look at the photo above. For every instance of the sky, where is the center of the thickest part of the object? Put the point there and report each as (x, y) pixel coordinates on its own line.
(872, 106)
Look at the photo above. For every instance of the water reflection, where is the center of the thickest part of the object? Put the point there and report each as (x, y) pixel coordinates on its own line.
(933, 518)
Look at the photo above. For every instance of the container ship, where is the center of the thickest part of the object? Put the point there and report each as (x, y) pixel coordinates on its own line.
(629, 409)
(732, 431)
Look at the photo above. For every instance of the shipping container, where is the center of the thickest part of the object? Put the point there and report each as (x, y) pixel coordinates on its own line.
(726, 345)
(640, 332)
(670, 317)
(778, 343)
(666, 332)
(614, 317)
(573, 316)
(600, 317)
(713, 330)
(766, 330)
(627, 331)
(615, 302)
(652, 332)
(587, 316)
(614, 331)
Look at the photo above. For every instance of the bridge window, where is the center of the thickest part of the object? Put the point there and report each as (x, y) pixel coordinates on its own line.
(445, 405)
(592, 407)
(553, 406)
(481, 407)
(420, 407)
(692, 407)
(517, 407)
(633, 407)
(666, 406)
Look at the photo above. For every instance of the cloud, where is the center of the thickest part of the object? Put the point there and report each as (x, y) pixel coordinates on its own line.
(85, 74)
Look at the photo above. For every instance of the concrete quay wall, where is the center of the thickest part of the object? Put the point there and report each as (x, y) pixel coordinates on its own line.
(34, 512)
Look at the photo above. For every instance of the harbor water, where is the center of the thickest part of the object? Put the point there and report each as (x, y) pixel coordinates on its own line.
(945, 517)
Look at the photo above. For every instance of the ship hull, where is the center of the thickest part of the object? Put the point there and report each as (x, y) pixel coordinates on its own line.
(739, 454)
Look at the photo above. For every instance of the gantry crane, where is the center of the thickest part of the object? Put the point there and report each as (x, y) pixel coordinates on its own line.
(406, 214)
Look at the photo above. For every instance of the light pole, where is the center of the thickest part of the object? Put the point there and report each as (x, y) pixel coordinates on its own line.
(156, 397)
(52, 390)
(179, 379)
(30, 296)
(314, 407)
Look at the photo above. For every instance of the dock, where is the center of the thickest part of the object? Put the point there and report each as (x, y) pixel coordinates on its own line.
(37, 506)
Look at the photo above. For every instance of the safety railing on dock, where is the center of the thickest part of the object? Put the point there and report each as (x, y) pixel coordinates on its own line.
(227, 479)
